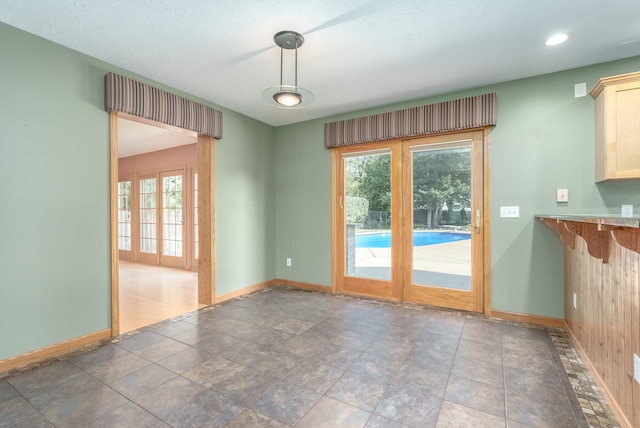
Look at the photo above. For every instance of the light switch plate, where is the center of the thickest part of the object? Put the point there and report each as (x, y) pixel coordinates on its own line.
(580, 89)
(562, 195)
(626, 211)
(509, 212)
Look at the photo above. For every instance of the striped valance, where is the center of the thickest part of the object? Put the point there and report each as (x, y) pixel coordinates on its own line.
(455, 115)
(137, 99)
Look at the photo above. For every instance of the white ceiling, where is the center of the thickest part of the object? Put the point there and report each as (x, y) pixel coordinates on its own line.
(357, 53)
(135, 138)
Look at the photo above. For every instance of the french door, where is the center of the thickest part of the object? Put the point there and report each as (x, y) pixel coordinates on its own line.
(172, 217)
(409, 220)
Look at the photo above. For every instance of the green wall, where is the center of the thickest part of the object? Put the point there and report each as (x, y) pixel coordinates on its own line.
(273, 191)
(55, 263)
(544, 140)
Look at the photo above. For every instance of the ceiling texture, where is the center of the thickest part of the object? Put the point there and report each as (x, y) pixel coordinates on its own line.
(357, 53)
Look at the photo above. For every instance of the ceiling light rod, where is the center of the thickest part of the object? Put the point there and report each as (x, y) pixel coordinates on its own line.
(288, 96)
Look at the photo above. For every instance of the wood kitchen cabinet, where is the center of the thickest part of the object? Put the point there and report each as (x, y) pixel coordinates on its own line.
(617, 131)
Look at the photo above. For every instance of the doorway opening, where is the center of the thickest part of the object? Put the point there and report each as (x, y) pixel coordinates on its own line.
(155, 266)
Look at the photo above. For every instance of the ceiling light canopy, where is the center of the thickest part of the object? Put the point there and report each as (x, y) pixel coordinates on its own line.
(288, 96)
(556, 39)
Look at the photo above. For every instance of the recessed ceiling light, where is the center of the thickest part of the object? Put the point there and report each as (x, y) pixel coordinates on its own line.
(556, 39)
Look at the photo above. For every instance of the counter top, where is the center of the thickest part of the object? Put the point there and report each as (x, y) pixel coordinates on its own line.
(603, 219)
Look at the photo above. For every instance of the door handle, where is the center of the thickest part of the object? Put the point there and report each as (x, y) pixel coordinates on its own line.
(341, 202)
(477, 221)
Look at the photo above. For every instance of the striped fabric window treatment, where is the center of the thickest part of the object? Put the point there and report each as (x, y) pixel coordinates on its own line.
(138, 99)
(455, 115)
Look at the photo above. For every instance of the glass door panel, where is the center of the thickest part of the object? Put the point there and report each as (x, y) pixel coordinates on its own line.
(442, 246)
(148, 220)
(172, 220)
(368, 215)
(124, 219)
(442, 217)
(369, 236)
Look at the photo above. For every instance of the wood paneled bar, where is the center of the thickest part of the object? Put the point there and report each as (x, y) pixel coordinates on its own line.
(602, 277)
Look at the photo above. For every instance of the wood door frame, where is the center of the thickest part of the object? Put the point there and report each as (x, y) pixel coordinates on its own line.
(206, 211)
(472, 300)
(337, 250)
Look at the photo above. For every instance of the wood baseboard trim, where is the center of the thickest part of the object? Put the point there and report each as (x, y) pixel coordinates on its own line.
(303, 285)
(243, 291)
(53, 350)
(531, 319)
(622, 419)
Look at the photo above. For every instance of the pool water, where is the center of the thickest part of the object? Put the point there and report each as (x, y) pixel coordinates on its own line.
(383, 240)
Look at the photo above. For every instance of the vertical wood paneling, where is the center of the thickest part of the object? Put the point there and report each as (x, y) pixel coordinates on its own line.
(606, 323)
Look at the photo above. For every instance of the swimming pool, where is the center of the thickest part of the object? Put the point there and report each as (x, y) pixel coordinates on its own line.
(383, 240)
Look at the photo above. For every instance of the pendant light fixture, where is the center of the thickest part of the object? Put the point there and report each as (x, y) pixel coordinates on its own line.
(288, 96)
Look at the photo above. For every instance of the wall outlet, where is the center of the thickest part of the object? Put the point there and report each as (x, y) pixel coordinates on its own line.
(509, 212)
(636, 368)
(562, 195)
(289, 261)
(575, 301)
(626, 210)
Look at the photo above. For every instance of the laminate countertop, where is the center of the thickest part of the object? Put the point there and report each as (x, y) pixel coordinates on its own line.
(604, 219)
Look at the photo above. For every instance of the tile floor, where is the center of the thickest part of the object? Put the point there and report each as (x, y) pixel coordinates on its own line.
(284, 357)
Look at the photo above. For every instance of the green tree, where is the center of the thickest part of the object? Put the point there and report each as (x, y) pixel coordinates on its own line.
(439, 177)
(376, 182)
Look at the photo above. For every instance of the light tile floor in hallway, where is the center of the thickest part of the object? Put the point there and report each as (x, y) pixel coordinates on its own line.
(285, 357)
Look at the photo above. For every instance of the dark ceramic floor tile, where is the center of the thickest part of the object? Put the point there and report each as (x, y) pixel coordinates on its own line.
(480, 351)
(237, 328)
(286, 402)
(353, 340)
(368, 328)
(127, 415)
(527, 382)
(377, 421)
(243, 385)
(185, 360)
(375, 368)
(430, 359)
(293, 326)
(456, 416)
(409, 407)
(313, 376)
(480, 371)
(170, 396)
(15, 410)
(83, 407)
(274, 338)
(278, 364)
(174, 328)
(212, 371)
(438, 342)
(336, 356)
(357, 391)
(35, 421)
(7, 392)
(537, 362)
(117, 368)
(430, 382)
(207, 409)
(304, 346)
(164, 349)
(476, 395)
(550, 410)
(444, 324)
(251, 418)
(141, 381)
(330, 413)
(140, 341)
(35, 382)
(246, 353)
(390, 348)
(220, 343)
(536, 345)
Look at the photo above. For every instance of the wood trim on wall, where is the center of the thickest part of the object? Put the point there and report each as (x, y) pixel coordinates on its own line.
(243, 291)
(302, 285)
(206, 221)
(53, 350)
(486, 148)
(531, 319)
(115, 284)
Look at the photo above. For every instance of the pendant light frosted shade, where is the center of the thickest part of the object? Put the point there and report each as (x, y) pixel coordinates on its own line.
(288, 96)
